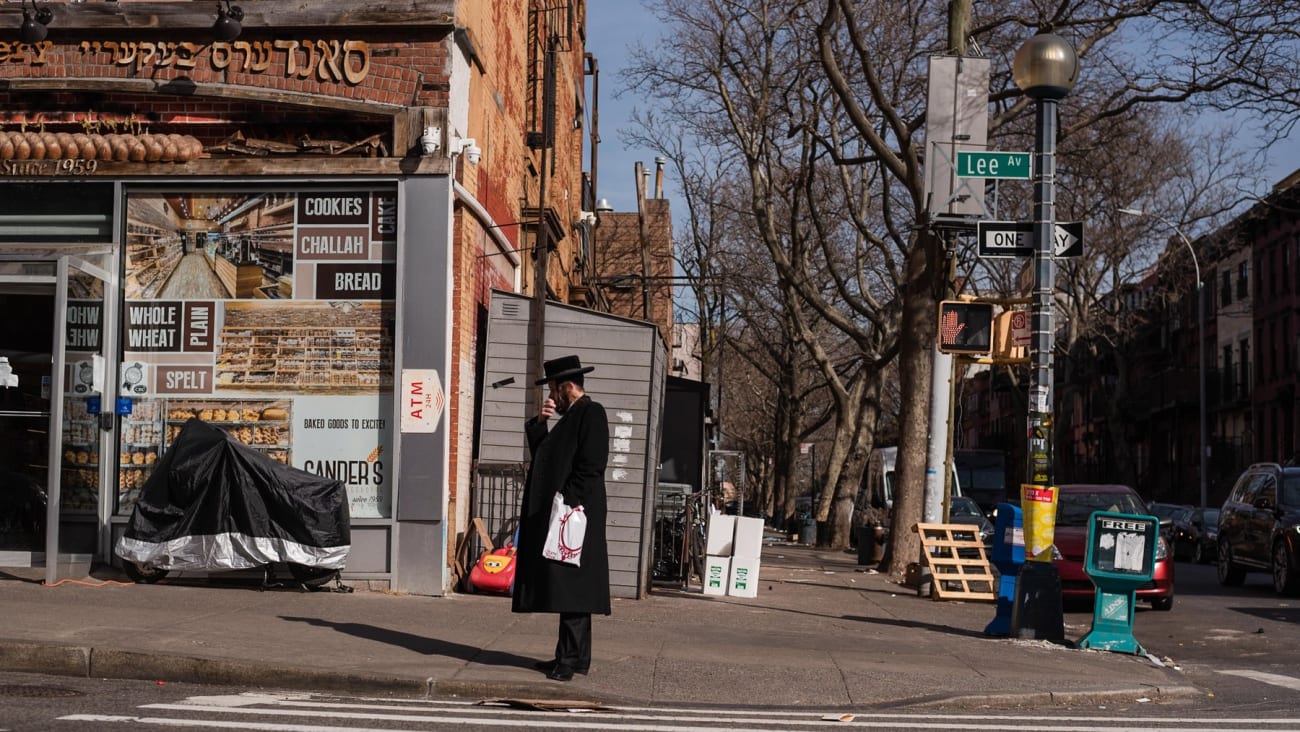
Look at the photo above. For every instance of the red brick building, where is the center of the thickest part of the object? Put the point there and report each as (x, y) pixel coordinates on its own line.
(290, 232)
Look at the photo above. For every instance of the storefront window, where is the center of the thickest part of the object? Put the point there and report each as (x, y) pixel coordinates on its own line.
(271, 316)
(83, 351)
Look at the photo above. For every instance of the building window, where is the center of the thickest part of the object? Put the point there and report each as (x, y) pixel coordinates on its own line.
(1286, 267)
(1225, 373)
(1272, 278)
(1225, 291)
(1243, 368)
(1285, 345)
(1243, 274)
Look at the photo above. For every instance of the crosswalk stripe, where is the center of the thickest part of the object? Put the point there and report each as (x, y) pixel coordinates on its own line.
(309, 713)
(1288, 682)
(240, 724)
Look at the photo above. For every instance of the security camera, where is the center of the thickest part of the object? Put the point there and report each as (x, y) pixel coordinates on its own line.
(473, 153)
(431, 140)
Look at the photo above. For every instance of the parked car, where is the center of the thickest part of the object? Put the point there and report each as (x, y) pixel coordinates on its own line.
(1075, 506)
(1166, 512)
(1196, 534)
(1257, 527)
(964, 510)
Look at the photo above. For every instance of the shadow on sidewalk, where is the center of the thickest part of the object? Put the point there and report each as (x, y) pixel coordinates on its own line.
(420, 644)
(918, 625)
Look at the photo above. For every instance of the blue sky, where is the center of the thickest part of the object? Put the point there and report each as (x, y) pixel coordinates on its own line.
(613, 26)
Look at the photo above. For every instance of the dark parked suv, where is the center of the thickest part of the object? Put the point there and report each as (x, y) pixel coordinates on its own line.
(1257, 527)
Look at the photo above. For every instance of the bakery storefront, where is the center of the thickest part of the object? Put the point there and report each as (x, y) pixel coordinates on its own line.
(162, 261)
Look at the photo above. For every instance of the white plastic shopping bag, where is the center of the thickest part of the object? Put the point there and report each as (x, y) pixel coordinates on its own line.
(564, 535)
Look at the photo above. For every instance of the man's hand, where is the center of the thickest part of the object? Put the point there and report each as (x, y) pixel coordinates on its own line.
(548, 409)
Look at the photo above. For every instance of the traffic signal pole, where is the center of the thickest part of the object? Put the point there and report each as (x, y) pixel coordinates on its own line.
(935, 508)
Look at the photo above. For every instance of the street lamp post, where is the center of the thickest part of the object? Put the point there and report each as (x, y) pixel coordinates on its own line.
(1203, 444)
(1045, 68)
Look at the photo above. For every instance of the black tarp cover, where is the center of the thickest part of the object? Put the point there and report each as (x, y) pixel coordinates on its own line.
(214, 503)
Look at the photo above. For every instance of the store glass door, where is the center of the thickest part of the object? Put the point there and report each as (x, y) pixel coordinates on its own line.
(78, 509)
(56, 414)
(27, 305)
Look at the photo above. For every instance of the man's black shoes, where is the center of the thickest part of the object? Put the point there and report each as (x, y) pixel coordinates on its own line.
(561, 672)
(558, 671)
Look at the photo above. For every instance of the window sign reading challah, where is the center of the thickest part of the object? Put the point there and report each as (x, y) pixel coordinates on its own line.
(270, 315)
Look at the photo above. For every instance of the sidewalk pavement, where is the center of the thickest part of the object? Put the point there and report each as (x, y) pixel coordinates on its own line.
(822, 632)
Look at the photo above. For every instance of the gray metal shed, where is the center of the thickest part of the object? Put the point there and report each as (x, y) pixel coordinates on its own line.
(631, 366)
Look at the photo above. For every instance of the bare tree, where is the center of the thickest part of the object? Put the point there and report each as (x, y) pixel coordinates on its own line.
(810, 92)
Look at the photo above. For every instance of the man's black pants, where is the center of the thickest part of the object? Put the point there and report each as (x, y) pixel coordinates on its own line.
(574, 646)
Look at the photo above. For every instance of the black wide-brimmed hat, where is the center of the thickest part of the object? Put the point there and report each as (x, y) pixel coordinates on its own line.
(564, 367)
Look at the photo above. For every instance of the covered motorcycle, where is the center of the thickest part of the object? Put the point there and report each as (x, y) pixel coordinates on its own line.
(214, 503)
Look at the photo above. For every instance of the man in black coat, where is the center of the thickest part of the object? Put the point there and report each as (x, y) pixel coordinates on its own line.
(569, 456)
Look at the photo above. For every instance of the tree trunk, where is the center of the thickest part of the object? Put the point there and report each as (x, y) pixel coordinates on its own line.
(915, 353)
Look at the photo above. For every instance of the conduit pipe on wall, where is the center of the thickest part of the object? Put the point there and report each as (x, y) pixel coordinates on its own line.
(489, 224)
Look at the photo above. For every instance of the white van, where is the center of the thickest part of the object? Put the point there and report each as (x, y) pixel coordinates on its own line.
(875, 500)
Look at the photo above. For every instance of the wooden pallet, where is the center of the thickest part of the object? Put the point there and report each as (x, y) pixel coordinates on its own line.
(955, 577)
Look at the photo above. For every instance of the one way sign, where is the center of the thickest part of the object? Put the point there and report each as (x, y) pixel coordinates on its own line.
(1016, 238)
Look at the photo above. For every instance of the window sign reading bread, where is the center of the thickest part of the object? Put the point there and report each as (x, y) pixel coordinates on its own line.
(270, 315)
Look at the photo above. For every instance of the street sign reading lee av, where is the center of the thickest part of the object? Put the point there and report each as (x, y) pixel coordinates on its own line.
(971, 164)
(1015, 239)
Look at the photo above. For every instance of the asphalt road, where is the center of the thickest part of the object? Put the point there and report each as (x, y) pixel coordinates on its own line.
(33, 703)
(1238, 643)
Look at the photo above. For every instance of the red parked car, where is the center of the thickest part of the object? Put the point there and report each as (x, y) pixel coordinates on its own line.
(1075, 506)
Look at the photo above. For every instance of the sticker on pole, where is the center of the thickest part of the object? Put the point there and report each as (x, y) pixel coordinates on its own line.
(1038, 400)
(422, 400)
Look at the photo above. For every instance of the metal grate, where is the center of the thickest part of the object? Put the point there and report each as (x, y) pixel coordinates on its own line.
(498, 488)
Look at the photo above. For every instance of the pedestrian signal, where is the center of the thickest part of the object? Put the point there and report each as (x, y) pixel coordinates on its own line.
(965, 327)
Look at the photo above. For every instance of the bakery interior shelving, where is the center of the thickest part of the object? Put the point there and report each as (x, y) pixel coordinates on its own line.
(139, 448)
(257, 232)
(79, 487)
(304, 357)
(152, 254)
(154, 425)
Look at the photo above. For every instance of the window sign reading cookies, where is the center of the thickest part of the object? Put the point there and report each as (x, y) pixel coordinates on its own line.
(270, 314)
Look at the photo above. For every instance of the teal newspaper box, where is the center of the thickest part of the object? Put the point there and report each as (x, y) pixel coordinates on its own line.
(1121, 557)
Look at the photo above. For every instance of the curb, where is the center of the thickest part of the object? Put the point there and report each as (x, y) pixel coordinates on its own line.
(1067, 698)
(89, 662)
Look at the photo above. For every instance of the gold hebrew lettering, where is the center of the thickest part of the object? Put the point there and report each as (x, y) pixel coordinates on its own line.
(307, 68)
(329, 68)
(41, 49)
(290, 49)
(187, 56)
(148, 50)
(359, 50)
(221, 55)
(259, 56)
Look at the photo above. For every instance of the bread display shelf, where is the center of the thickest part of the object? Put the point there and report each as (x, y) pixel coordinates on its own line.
(308, 358)
(79, 488)
(80, 458)
(81, 432)
(259, 424)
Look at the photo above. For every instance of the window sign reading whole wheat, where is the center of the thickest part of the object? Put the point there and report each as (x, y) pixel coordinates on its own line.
(269, 315)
